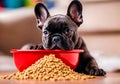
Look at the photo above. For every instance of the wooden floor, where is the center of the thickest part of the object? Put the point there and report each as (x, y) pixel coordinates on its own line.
(110, 78)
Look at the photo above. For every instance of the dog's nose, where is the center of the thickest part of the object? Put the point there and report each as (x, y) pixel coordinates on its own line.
(55, 39)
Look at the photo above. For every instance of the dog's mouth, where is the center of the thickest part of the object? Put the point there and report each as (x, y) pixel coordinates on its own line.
(56, 47)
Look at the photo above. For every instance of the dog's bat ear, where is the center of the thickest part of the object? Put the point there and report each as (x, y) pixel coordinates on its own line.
(41, 13)
(75, 12)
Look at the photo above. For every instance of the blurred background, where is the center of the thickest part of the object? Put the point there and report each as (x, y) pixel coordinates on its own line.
(100, 28)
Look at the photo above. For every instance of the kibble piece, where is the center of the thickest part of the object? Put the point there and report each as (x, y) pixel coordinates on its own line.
(48, 68)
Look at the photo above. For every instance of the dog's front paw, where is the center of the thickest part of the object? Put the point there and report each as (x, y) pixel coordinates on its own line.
(96, 71)
(36, 47)
(32, 47)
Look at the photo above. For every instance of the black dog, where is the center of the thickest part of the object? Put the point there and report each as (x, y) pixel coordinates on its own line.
(60, 32)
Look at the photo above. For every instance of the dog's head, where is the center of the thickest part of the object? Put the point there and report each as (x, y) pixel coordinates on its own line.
(59, 31)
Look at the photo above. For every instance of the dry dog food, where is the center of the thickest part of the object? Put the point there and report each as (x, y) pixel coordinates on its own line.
(48, 68)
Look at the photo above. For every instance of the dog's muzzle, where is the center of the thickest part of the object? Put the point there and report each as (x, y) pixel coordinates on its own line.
(56, 39)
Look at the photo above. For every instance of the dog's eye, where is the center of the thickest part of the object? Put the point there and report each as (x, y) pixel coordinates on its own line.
(68, 31)
(45, 32)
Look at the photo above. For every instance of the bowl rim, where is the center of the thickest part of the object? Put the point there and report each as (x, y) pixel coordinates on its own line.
(53, 51)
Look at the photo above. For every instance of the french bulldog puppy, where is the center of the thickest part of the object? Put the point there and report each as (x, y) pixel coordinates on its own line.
(60, 32)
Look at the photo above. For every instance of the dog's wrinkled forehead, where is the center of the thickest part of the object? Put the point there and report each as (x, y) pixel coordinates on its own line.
(59, 23)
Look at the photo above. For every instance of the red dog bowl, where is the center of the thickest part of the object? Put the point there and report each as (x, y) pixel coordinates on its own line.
(25, 58)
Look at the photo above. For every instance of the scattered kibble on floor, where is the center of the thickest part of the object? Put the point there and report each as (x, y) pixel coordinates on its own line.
(47, 68)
